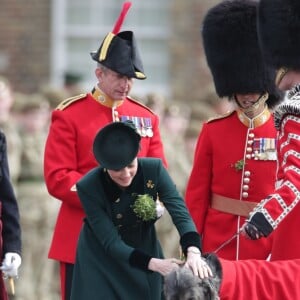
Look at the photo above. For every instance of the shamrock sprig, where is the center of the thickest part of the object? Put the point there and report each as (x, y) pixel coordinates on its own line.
(144, 207)
(239, 165)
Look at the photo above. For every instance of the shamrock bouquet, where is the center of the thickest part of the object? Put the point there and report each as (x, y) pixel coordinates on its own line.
(146, 208)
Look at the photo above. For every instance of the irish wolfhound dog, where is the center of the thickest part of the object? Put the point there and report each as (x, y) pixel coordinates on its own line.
(181, 284)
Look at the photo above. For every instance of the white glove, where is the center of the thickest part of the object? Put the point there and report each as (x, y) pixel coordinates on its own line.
(11, 264)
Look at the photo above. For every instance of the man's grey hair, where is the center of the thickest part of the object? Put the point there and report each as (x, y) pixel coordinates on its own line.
(102, 67)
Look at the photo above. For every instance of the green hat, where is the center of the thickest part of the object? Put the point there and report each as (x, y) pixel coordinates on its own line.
(116, 145)
(72, 78)
(119, 51)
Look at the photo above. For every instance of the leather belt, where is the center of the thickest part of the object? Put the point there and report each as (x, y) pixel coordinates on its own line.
(232, 206)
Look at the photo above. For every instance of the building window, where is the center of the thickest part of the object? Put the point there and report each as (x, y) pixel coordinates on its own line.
(79, 27)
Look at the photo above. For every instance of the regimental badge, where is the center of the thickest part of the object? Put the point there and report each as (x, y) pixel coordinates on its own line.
(264, 149)
(143, 125)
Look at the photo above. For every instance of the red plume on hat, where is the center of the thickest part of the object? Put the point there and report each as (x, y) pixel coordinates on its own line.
(119, 51)
(120, 20)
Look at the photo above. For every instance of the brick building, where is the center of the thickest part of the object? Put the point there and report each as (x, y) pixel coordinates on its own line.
(24, 42)
(27, 41)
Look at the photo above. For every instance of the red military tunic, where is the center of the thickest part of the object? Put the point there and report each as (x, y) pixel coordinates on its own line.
(257, 280)
(235, 161)
(282, 209)
(68, 156)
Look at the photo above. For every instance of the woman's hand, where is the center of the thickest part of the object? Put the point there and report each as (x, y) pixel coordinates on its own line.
(197, 264)
(164, 266)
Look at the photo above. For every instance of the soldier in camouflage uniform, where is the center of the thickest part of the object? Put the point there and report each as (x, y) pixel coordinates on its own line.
(9, 126)
(37, 208)
(174, 123)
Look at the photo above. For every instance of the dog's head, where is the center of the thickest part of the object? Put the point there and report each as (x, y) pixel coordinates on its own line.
(181, 284)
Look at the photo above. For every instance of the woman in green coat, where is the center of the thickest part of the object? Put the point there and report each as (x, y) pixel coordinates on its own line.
(118, 255)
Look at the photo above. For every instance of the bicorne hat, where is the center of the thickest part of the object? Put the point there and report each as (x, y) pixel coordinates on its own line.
(232, 50)
(116, 145)
(119, 51)
(278, 32)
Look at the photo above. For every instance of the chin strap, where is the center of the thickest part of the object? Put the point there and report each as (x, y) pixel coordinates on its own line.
(280, 74)
(261, 100)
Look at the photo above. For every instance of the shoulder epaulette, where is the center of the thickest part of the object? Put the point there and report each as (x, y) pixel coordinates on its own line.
(65, 103)
(218, 117)
(140, 104)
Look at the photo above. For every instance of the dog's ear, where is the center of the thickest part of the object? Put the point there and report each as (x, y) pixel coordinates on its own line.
(171, 284)
(215, 265)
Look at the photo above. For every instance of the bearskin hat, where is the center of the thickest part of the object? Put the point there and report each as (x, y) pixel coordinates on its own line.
(229, 33)
(279, 32)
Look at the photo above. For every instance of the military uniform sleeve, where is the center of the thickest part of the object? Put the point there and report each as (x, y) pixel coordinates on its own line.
(11, 230)
(198, 192)
(60, 160)
(259, 279)
(268, 214)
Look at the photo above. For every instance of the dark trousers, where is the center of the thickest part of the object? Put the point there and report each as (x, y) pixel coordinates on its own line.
(66, 275)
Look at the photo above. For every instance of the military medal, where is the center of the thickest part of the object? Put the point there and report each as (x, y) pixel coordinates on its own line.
(264, 149)
(149, 131)
(137, 123)
(143, 127)
(115, 115)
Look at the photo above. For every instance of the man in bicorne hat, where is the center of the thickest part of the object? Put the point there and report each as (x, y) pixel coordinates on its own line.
(235, 151)
(75, 122)
(279, 35)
